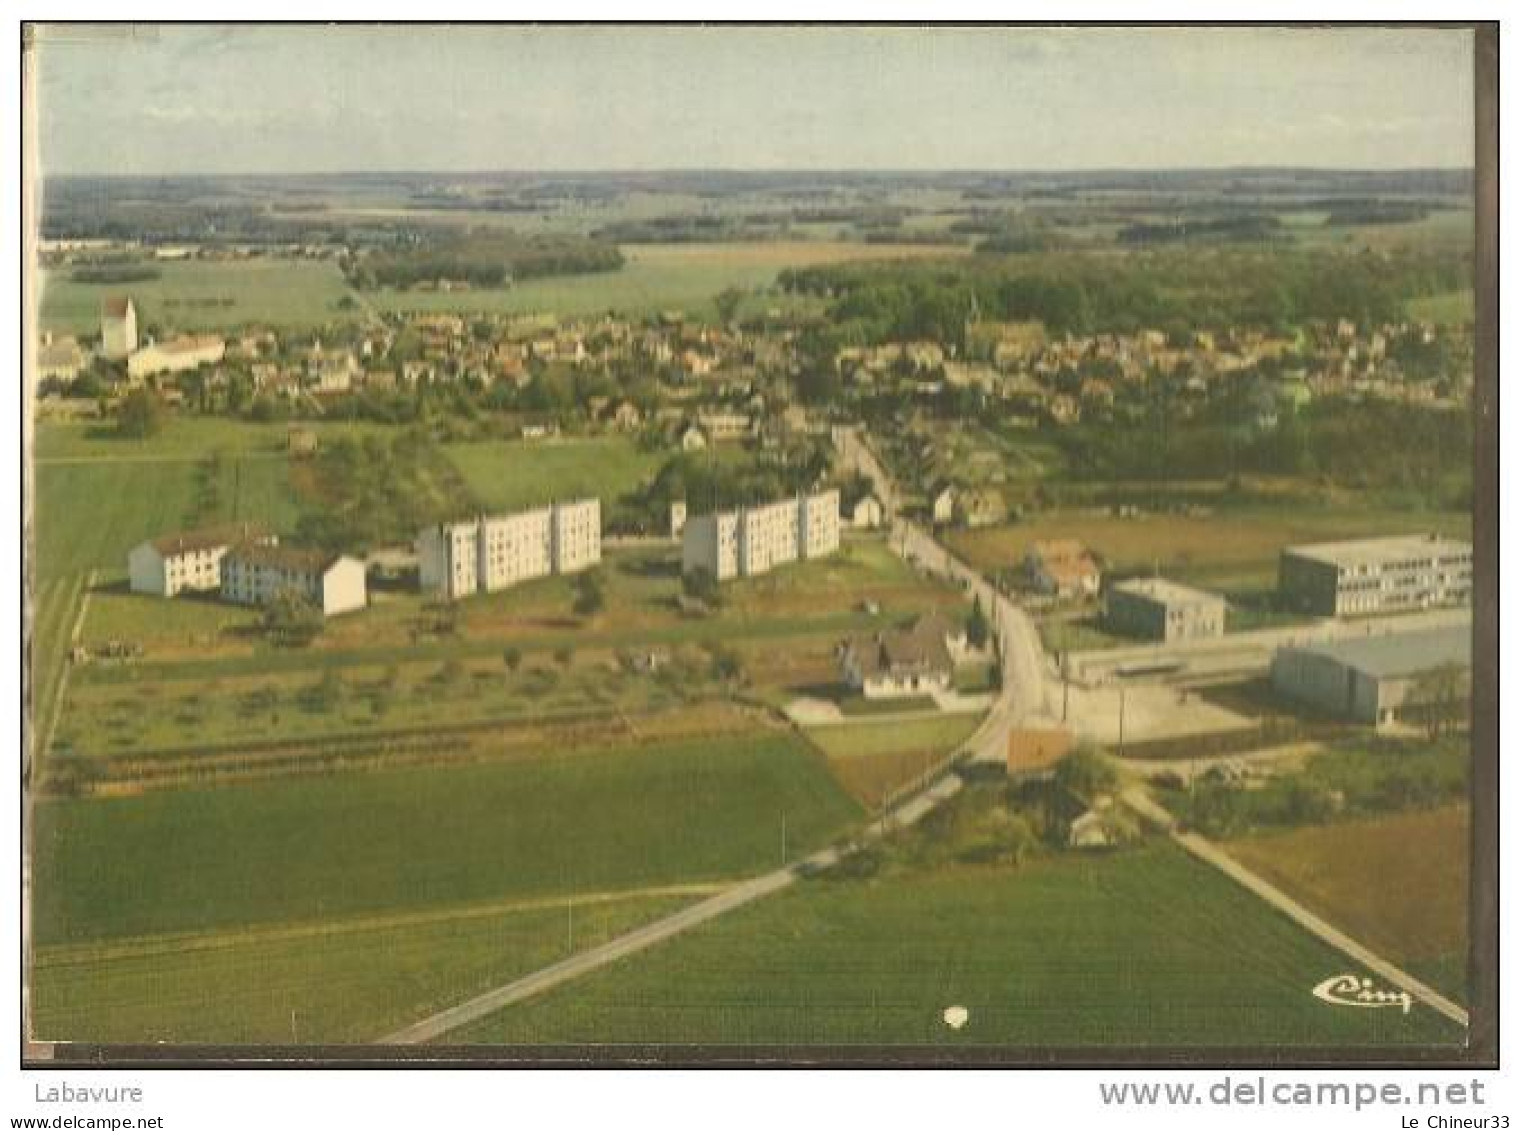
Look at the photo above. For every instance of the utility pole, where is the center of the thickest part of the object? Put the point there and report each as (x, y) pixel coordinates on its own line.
(1121, 722)
(570, 925)
(783, 839)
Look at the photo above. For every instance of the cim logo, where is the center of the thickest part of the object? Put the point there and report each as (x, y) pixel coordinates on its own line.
(1348, 989)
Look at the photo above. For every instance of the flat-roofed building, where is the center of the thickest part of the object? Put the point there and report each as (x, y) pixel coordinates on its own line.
(818, 524)
(1157, 609)
(515, 547)
(456, 559)
(711, 542)
(754, 540)
(1370, 679)
(1367, 576)
(254, 574)
(188, 560)
(577, 535)
(448, 558)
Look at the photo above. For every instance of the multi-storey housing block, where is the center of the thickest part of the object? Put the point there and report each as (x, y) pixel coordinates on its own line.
(493, 552)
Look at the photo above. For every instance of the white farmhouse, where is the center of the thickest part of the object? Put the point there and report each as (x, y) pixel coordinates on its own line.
(172, 563)
(257, 574)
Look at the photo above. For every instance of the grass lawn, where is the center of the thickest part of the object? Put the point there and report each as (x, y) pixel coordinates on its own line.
(388, 841)
(183, 438)
(871, 760)
(1229, 549)
(1141, 948)
(848, 740)
(1397, 882)
(1452, 307)
(332, 983)
(282, 293)
(655, 278)
(512, 474)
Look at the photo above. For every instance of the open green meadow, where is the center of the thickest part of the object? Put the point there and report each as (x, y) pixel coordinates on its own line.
(1452, 307)
(570, 821)
(206, 295)
(654, 278)
(508, 474)
(1143, 948)
(849, 740)
(333, 983)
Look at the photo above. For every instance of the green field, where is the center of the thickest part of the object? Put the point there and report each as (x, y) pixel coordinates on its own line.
(338, 983)
(654, 278)
(182, 438)
(281, 293)
(387, 841)
(851, 739)
(1453, 307)
(1143, 948)
(508, 474)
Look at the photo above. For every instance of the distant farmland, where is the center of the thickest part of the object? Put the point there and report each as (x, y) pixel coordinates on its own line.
(381, 842)
(1144, 948)
(658, 277)
(194, 295)
(1397, 882)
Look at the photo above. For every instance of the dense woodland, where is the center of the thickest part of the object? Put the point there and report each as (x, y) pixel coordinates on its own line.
(1096, 293)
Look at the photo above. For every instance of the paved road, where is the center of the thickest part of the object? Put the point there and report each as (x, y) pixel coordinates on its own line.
(1210, 853)
(1027, 672)
(651, 934)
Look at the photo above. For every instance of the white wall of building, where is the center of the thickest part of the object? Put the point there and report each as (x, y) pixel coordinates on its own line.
(145, 571)
(343, 587)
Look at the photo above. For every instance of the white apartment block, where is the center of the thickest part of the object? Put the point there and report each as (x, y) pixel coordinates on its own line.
(481, 555)
(257, 574)
(577, 530)
(514, 548)
(711, 542)
(754, 540)
(1376, 575)
(190, 560)
(448, 558)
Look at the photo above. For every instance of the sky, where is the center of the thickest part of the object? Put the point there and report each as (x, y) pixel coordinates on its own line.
(281, 99)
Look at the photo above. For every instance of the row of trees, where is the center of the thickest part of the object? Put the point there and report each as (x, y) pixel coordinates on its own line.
(1216, 288)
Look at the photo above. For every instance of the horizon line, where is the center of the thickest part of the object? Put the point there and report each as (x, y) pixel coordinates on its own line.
(857, 170)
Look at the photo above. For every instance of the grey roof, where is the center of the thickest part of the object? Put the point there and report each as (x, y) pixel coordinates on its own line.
(1381, 551)
(1400, 653)
(1165, 592)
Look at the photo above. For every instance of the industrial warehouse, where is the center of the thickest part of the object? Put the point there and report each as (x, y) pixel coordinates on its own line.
(1372, 679)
